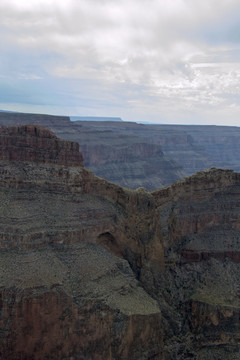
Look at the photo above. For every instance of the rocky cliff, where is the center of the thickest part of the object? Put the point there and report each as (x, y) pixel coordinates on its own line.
(176, 142)
(13, 119)
(221, 143)
(91, 270)
(124, 159)
(197, 147)
(72, 251)
(34, 143)
(200, 225)
(179, 150)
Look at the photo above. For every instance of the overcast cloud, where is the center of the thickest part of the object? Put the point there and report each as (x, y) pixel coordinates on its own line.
(162, 61)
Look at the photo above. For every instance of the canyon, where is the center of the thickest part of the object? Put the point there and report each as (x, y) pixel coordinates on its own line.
(93, 270)
(124, 159)
(141, 155)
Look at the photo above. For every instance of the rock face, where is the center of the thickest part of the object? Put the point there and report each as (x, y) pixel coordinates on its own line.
(200, 224)
(133, 164)
(90, 270)
(175, 141)
(34, 143)
(180, 150)
(124, 159)
(221, 143)
(13, 119)
(72, 249)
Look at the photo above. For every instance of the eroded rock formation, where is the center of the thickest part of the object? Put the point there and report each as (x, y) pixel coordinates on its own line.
(35, 143)
(91, 270)
(72, 249)
(200, 224)
(125, 159)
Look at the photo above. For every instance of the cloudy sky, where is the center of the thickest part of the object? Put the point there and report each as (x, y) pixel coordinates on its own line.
(175, 61)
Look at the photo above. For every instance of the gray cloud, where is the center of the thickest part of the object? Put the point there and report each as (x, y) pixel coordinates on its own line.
(161, 61)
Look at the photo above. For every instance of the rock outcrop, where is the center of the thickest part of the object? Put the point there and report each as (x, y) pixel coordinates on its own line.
(176, 142)
(180, 150)
(200, 218)
(124, 159)
(91, 270)
(73, 247)
(34, 143)
(131, 164)
(19, 119)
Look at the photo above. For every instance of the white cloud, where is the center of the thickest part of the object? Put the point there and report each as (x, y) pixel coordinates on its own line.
(161, 49)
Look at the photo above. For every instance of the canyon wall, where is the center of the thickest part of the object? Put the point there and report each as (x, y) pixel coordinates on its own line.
(175, 141)
(200, 218)
(34, 143)
(73, 247)
(124, 159)
(89, 269)
(161, 154)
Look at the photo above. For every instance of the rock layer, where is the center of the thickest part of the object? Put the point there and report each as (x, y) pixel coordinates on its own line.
(124, 159)
(89, 269)
(34, 143)
(186, 148)
(200, 224)
(73, 247)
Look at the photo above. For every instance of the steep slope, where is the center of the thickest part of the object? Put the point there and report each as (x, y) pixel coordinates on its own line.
(72, 248)
(34, 143)
(178, 144)
(127, 160)
(217, 146)
(123, 159)
(175, 141)
(200, 218)
(91, 270)
(221, 142)
(13, 119)
(189, 148)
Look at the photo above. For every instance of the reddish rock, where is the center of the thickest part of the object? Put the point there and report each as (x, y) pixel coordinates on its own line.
(73, 247)
(89, 269)
(51, 325)
(215, 325)
(34, 143)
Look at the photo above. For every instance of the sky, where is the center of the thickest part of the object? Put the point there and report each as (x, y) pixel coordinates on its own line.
(157, 61)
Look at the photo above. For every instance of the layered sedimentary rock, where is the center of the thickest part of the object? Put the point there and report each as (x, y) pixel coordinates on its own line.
(124, 159)
(175, 141)
(72, 250)
(200, 224)
(221, 142)
(131, 163)
(186, 148)
(204, 145)
(34, 143)
(90, 270)
(13, 119)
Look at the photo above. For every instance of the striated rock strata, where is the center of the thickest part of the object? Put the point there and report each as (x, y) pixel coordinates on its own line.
(176, 142)
(200, 218)
(34, 143)
(72, 250)
(182, 149)
(125, 159)
(91, 270)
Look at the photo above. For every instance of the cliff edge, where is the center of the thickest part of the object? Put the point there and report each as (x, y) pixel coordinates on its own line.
(72, 251)
(35, 143)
